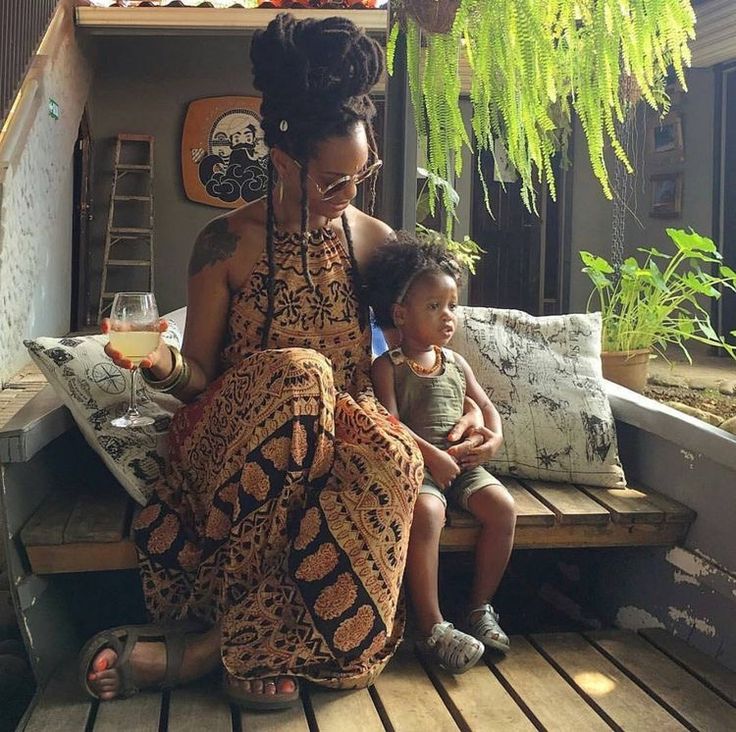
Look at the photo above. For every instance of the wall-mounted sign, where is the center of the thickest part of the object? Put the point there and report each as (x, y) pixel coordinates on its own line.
(223, 155)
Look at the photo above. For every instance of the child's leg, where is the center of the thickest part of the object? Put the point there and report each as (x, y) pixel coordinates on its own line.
(423, 559)
(454, 650)
(494, 508)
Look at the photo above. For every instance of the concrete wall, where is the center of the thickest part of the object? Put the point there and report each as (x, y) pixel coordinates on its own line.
(144, 84)
(36, 211)
(591, 211)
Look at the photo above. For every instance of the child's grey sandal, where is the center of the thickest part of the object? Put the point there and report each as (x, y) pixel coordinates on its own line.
(483, 625)
(453, 650)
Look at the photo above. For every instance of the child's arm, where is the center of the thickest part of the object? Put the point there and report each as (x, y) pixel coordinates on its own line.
(442, 466)
(492, 432)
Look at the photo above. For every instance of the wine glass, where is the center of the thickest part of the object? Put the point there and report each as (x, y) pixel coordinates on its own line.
(134, 331)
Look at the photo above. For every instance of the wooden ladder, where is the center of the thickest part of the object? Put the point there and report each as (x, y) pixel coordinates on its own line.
(128, 147)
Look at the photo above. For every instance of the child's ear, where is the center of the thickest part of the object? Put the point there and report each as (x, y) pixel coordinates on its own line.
(397, 314)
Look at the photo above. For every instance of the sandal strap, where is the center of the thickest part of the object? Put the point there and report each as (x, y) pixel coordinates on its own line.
(175, 643)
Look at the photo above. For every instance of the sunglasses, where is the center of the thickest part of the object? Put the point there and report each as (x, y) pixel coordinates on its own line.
(334, 189)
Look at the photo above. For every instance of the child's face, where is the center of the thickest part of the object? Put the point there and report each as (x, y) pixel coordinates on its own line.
(428, 314)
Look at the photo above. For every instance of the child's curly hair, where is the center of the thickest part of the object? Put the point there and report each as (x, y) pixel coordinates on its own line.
(397, 264)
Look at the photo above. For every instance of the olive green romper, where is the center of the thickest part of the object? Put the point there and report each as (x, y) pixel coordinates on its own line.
(431, 406)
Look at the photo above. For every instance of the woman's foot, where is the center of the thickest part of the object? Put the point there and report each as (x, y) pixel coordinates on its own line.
(277, 692)
(148, 664)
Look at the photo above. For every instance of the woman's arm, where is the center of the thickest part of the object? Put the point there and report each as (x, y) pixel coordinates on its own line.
(491, 431)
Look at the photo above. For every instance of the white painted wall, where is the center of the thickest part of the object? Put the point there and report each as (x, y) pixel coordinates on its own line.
(36, 212)
(591, 211)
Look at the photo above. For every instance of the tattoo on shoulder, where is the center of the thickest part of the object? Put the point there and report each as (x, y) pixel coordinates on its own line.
(215, 243)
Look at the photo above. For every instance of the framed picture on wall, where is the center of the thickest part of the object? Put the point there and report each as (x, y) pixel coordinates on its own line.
(223, 155)
(665, 142)
(666, 195)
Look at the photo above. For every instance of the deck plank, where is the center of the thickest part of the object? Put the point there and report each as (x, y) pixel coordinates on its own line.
(625, 703)
(283, 720)
(545, 693)
(62, 705)
(480, 700)
(345, 711)
(697, 663)
(198, 707)
(409, 699)
(141, 713)
(569, 504)
(674, 686)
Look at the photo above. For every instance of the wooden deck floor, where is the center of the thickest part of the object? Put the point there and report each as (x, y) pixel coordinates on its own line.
(560, 681)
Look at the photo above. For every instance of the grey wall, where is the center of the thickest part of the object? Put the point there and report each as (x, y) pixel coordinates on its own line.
(144, 84)
(591, 211)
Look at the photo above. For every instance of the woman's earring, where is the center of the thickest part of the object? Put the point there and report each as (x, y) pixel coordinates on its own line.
(281, 192)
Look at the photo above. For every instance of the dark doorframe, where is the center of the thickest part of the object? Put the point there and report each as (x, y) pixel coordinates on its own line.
(724, 187)
(523, 264)
(80, 226)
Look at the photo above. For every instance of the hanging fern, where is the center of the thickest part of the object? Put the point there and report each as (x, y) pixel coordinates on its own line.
(532, 65)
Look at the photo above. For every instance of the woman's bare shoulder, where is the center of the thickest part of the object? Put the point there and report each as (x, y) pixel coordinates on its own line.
(233, 233)
(368, 232)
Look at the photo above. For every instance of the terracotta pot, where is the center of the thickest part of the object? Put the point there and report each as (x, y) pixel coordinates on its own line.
(435, 16)
(628, 368)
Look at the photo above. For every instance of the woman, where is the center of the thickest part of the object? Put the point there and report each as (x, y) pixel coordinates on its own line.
(283, 524)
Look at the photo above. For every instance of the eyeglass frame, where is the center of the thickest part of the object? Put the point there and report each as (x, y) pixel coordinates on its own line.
(356, 178)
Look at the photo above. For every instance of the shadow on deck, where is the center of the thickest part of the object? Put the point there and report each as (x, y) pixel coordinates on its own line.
(556, 681)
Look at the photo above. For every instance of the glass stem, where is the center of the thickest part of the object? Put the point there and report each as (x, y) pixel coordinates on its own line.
(133, 407)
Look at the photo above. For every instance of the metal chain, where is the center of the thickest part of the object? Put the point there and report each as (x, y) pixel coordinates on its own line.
(623, 182)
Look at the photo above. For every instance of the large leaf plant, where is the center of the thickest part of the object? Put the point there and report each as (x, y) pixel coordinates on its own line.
(532, 63)
(663, 299)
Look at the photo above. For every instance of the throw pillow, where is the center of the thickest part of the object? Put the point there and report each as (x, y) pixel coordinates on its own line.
(95, 390)
(544, 376)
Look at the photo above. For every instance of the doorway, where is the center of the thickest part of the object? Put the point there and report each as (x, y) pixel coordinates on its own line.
(521, 268)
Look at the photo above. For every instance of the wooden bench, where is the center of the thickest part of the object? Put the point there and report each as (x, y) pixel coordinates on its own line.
(84, 531)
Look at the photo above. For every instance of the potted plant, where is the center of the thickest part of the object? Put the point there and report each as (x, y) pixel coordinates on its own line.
(660, 301)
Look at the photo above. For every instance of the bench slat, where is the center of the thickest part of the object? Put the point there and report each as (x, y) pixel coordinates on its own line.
(342, 711)
(282, 720)
(627, 505)
(569, 504)
(98, 518)
(96, 534)
(47, 524)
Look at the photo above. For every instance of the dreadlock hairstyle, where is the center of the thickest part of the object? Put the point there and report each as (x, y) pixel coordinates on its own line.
(314, 76)
(397, 264)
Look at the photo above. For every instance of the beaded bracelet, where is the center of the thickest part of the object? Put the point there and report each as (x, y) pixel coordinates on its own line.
(170, 381)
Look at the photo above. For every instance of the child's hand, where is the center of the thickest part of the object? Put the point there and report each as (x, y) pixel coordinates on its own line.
(442, 467)
(472, 456)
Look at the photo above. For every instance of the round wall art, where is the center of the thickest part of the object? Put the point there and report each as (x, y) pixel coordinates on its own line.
(223, 155)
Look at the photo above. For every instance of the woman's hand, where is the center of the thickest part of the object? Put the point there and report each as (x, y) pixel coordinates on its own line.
(478, 448)
(469, 422)
(442, 467)
(160, 356)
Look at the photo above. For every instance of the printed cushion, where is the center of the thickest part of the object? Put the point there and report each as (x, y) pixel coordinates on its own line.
(544, 376)
(95, 391)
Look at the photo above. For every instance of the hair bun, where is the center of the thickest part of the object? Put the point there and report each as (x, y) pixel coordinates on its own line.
(298, 62)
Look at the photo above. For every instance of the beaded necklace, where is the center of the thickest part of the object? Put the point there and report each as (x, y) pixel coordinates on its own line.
(420, 370)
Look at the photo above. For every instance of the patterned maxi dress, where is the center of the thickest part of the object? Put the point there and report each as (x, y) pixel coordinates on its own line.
(286, 510)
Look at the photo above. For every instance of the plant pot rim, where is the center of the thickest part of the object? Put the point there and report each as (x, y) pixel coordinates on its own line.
(634, 352)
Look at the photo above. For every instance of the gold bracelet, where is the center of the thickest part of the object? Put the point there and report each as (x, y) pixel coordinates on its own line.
(181, 384)
(167, 382)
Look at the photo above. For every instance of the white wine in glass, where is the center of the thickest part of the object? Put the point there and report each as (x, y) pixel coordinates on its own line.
(134, 332)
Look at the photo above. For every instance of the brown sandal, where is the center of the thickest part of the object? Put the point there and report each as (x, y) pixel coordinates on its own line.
(122, 641)
(258, 700)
